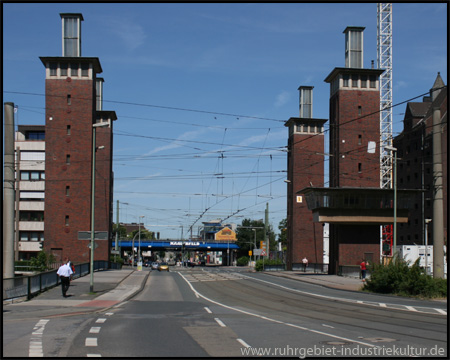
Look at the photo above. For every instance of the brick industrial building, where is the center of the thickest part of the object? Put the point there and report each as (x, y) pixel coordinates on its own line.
(73, 101)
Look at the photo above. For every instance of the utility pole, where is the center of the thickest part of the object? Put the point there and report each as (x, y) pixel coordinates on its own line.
(117, 231)
(438, 198)
(8, 193)
(266, 229)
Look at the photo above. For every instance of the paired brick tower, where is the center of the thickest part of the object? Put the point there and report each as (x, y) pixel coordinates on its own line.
(305, 168)
(354, 160)
(73, 105)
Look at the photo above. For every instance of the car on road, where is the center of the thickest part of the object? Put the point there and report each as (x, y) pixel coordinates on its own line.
(163, 267)
(155, 265)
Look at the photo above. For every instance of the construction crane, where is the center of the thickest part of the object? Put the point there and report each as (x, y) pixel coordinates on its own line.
(384, 60)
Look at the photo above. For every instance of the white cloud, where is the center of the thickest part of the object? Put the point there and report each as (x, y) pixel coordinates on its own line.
(282, 98)
(127, 30)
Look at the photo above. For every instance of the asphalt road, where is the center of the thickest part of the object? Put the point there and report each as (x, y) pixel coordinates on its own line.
(222, 312)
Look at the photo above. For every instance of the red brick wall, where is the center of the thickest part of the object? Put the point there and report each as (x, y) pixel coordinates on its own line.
(80, 116)
(305, 166)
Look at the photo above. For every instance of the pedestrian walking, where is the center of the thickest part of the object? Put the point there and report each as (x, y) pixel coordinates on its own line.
(305, 263)
(64, 272)
(363, 268)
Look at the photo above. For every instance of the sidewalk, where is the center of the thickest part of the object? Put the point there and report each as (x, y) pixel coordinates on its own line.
(331, 281)
(110, 288)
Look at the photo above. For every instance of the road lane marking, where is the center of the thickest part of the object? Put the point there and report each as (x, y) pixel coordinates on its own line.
(100, 320)
(371, 303)
(328, 326)
(243, 343)
(94, 330)
(35, 345)
(93, 355)
(207, 310)
(411, 308)
(273, 320)
(109, 313)
(220, 322)
(91, 342)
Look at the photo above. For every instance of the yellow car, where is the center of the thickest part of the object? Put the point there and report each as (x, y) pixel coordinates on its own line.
(163, 267)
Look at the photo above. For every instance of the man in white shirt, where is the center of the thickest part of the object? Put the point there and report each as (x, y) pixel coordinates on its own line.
(64, 272)
(305, 263)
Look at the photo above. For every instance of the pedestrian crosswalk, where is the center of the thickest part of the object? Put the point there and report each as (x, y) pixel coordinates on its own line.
(203, 276)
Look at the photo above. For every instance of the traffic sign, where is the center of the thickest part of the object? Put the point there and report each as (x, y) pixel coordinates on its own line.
(263, 253)
(257, 252)
(98, 235)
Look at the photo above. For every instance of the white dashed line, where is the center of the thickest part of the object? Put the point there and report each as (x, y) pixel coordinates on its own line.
(93, 355)
(109, 313)
(411, 308)
(94, 330)
(91, 342)
(207, 310)
(35, 346)
(220, 322)
(243, 343)
(443, 312)
(100, 321)
(328, 326)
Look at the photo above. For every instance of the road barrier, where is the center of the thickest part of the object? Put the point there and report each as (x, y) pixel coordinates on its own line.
(31, 285)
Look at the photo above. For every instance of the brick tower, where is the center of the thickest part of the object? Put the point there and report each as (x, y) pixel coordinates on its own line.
(354, 147)
(305, 168)
(73, 105)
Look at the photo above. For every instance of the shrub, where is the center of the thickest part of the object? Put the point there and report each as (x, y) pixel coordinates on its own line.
(42, 261)
(243, 261)
(400, 279)
(259, 264)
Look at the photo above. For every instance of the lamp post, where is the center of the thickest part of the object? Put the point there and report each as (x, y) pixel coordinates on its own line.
(139, 250)
(427, 221)
(254, 256)
(94, 150)
(394, 150)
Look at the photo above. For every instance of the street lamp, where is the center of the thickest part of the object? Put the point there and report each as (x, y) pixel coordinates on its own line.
(254, 256)
(94, 150)
(394, 150)
(139, 250)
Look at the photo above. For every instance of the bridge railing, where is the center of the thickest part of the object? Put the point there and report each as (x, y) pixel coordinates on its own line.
(30, 285)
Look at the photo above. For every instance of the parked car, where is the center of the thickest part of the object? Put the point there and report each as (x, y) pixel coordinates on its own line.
(155, 265)
(163, 267)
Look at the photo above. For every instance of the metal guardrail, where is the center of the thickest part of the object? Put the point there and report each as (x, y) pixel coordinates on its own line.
(30, 285)
(316, 268)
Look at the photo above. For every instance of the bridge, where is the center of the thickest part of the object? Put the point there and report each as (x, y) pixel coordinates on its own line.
(159, 245)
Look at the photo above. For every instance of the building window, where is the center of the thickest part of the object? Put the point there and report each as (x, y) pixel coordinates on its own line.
(359, 110)
(32, 175)
(35, 135)
(68, 159)
(360, 139)
(74, 70)
(69, 100)
(67, 220)
(84, 69)
(31, 216)
(31, 236)
(359, 167)
(373, 82)
(63, 68)
(345, 80)
(363, 81)
(67, 190)
(68, 129)
(355, 81)
(53, 69)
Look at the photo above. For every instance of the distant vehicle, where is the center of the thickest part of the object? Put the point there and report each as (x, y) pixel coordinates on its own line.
(155, 266)
(163, 267)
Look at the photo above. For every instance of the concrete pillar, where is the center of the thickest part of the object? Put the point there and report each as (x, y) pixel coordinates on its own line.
(8, 193)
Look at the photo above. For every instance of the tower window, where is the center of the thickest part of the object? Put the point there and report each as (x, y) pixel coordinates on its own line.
(74, 70)
(63, 68)
(53, 69)
(68, 129)
(67, 220)
(67, 190)
(68, 159)
(84, 69)
(364, 81)
(373, 84)
(359, 110)
(354, 81)
(359, 139)
(69, 100)
(359, 167)
(345, 80)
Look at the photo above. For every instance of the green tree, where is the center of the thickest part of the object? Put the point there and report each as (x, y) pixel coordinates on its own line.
(145, 234)
(282, 236)
(122, 231)
(246, 236)
(42, 261)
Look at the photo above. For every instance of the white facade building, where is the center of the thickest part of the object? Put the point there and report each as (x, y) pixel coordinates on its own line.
(29, 148)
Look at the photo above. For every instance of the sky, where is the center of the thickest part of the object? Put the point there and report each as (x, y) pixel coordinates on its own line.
(202, 92)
